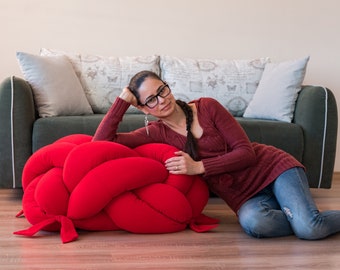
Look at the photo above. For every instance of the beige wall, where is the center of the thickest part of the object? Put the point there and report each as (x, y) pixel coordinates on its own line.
(231, 29)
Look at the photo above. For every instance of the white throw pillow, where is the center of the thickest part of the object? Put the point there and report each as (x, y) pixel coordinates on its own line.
(231, 82)
(103, 78)
(56, 88)
(277, 92)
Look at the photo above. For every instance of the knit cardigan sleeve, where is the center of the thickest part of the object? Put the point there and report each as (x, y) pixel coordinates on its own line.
(107, 129)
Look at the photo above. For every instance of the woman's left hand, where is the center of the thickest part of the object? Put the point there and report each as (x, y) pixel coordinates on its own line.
(182, 163)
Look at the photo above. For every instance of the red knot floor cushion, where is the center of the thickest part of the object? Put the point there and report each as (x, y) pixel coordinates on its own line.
(75, 183)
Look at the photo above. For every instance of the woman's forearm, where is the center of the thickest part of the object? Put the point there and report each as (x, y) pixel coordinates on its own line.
(107, 128)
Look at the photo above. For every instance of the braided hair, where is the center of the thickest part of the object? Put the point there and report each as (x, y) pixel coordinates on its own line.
(191, 144)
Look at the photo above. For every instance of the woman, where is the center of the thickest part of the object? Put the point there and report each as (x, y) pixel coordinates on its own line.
(266, 187)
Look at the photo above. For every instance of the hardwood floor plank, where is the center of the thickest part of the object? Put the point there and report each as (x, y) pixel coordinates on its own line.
(225, 247)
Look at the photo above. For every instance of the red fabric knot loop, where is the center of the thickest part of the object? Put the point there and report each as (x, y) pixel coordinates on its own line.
(20, 213)
(67, 230)
(203, 223)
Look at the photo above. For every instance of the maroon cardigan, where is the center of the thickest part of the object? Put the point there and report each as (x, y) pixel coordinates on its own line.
(235, 168)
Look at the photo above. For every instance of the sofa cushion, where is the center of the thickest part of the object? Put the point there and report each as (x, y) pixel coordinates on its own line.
(103, 78)
(286, 136)
(56, 88)
(278, 89)
(66, 125)
(231, 82)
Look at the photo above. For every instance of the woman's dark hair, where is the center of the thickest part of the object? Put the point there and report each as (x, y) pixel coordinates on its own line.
(191, 144)
(138, 79)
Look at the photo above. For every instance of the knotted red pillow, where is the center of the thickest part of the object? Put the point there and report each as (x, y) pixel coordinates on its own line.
(76, 183)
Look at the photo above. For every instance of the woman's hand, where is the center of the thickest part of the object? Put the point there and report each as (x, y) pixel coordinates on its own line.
(128, 96)
(182, 163)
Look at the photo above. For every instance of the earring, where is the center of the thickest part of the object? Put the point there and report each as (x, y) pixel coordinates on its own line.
(146, 123)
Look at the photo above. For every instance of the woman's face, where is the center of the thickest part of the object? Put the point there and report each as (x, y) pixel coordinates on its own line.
(149, 91)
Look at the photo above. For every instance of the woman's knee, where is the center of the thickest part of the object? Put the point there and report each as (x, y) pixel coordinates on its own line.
(308, 234)
(264, 223)
(252, 222)
(312, 229)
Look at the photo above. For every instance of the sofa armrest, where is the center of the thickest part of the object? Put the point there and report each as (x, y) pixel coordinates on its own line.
(17, 114)
(316, 112)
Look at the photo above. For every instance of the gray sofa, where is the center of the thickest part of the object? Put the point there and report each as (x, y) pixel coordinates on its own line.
(311, 137)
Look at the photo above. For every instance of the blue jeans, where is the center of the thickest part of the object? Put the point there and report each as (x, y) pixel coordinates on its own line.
(286, 207)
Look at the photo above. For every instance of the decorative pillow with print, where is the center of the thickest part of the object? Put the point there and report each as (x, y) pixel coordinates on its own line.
(232, 82)
(103, 78)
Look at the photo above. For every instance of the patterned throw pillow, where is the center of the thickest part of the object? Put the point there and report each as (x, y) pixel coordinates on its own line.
(103, 78)
(232, 82)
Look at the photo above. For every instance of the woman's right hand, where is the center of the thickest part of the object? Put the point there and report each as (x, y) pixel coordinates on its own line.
(128, 96)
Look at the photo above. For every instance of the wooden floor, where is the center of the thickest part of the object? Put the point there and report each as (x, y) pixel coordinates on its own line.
(226, 247)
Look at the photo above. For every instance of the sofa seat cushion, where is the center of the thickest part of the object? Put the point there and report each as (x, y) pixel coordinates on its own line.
(48, 130)
(284, 135)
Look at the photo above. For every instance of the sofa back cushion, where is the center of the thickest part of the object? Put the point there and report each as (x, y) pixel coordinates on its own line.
(278, 90)
(103, 78)
(232, 82)
(56, 88)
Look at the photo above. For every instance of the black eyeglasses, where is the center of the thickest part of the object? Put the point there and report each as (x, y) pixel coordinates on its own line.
(163, 92)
